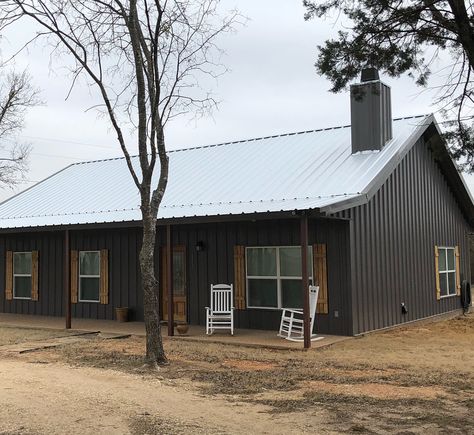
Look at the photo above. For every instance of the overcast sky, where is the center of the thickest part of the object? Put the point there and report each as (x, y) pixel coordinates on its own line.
(272, 88)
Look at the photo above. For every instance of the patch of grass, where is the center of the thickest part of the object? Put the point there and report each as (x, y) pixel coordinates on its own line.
(244, 382)
(469, 403)
(335, 402)
(92, 354)
(146, 424)
(359, 428)
(18, 431)
(13, 335)
(450, 422)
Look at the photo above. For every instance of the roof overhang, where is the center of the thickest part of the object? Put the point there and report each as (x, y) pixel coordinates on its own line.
(383, 175)
(248, 217)
(452, 173)
(431, 132)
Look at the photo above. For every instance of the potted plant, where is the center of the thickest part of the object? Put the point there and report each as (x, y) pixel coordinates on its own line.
(121, 314)
(182, 328)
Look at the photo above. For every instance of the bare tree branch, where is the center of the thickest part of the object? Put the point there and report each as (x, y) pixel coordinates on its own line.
(17, 95)
(147, 59)
(397, 36)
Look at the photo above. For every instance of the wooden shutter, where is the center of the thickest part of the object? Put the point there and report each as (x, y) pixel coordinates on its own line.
(321, 277)
(458, 271)
(239, 277)
(9, 276)
(438, 286)
(34, 275)
(74, 276)
(104, 277)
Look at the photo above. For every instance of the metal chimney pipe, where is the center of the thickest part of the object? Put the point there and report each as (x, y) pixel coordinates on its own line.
(371, 113)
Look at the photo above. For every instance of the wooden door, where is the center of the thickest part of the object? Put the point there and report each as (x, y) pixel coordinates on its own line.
(179, 283)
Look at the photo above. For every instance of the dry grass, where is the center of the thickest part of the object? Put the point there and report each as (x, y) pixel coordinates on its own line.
(153, 425)
(416, 379)
(10, 335)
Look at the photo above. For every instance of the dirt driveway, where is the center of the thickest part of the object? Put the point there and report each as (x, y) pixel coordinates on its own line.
(411, 380)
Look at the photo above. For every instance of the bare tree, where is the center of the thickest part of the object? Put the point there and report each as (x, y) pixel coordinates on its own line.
(17, 94)
(147, 59)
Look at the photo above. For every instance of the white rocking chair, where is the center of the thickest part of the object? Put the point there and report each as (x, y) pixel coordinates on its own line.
(292, 325)
(220, 315)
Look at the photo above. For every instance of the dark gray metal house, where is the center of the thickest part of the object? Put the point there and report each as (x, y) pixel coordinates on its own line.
(388, 218)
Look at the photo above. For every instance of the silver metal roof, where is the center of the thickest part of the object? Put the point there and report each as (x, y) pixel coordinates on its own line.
(307, 170)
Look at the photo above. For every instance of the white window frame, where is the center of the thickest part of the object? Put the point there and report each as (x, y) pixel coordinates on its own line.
(447, 271)
(277, 277)
(88, 276)
(22, 274)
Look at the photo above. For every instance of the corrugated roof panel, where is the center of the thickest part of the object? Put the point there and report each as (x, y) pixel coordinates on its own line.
(297, 171)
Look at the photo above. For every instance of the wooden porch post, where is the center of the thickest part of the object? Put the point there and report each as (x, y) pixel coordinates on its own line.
(305, 279)
(67, 279)
(169, 284)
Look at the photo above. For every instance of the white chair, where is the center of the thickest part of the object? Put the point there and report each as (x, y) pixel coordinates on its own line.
(292, 324)
(220, 315)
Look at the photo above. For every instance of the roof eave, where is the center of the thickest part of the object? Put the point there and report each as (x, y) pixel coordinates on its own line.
(383, 175)
(289, 214)
(447, 165)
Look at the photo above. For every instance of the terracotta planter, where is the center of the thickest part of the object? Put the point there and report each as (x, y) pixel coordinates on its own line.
(182, 328)
(121, 314)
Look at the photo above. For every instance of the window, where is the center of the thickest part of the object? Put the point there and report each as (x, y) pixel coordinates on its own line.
(274, 276)
(22, 266)
(89, 276)
(447, 271)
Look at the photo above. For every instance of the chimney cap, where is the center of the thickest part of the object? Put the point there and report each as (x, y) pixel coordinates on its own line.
(369, 74)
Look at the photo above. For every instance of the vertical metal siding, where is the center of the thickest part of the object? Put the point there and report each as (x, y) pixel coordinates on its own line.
(213, 264)
(394, 236)
(51, 257)
(124, 276)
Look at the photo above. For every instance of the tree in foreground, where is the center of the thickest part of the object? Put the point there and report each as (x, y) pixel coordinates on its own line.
(146, 59)
(17, 94)
(406, 36)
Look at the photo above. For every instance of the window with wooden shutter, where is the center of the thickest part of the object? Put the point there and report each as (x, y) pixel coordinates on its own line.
(239, 277)
(74, 276)
(320, 277)
(273, 276)
(438, 286)
(104, 276)
(9, 276)
(34, 275)
(23, 275)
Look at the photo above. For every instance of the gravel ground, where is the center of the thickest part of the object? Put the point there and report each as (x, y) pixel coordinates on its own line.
(417, 379)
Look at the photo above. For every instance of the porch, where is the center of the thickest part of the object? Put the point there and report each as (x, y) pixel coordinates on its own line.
(242, 337)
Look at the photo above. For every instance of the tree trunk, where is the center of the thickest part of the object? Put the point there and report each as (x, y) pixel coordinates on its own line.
(465, 32)
(154, 344)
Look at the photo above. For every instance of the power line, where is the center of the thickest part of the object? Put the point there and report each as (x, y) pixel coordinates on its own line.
(55, 155)
(59, 156)
(69, 141)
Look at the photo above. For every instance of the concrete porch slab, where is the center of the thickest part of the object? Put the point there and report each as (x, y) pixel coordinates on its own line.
(241, 337)
(254, 338)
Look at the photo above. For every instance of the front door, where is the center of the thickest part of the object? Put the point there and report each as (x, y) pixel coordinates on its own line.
(179, 283)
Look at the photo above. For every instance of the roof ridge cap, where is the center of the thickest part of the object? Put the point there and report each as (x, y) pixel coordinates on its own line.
(254, 139)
